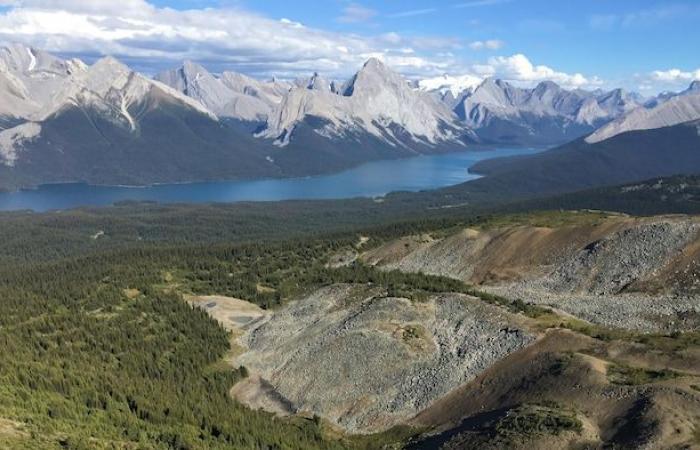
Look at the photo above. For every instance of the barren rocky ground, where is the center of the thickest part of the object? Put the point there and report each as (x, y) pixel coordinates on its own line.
(565, 374)
(366, 361)
(638, 274)
(464, 369)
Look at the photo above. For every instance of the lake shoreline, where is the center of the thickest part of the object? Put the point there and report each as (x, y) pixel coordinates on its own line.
(374, 179)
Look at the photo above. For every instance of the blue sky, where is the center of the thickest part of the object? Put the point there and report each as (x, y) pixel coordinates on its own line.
(644, 45)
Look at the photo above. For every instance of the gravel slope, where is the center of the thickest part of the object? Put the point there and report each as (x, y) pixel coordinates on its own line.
(638, 274)
(367, 362)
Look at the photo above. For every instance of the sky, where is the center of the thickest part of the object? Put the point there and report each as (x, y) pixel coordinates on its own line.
(642, 45)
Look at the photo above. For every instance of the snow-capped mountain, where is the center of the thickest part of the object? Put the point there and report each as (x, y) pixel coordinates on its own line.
(546, 114)
(231, 95)
(665, 111)
(376, 101)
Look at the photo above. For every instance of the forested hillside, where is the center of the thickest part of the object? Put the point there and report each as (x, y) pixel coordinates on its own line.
(102, 352)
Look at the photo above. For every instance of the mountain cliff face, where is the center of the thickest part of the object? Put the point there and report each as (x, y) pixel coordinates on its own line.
(376, 101)
(231, 95)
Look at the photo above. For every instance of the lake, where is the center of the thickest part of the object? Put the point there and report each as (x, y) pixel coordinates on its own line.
(368, 180)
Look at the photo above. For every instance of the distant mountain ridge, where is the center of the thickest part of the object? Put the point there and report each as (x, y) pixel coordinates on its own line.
(64, 120)
(665, 111)
(231, 95)
(501, 113)
(376, 100)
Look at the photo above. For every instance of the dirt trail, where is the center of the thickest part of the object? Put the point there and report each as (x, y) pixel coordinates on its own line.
(234, 314)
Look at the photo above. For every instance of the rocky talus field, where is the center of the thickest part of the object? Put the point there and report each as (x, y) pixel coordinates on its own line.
(571, 331)
(633, 273)
(368, 362)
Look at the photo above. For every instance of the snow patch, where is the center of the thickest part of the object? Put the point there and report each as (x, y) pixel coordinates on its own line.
(125, 112)
(32, 60)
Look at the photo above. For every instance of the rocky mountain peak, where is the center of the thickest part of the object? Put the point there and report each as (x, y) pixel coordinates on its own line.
(546, 88)
(317, 82)
(373, 77)
(547, 85)
(22, 59)
(191, 69)
(666, 110)
(374, 64)
(109, 64)
(107, 73)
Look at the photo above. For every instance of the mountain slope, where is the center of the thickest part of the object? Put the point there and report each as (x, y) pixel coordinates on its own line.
(627, 157)
(30, 79)
(106, 124)
(171, 144)
(232, 95)
(110, 125)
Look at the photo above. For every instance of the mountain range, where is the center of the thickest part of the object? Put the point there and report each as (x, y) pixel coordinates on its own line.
(63, 120)
(544, 115)
(66, 121)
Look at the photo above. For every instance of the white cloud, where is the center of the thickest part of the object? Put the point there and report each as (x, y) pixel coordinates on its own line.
(412, 13)
(491, 44)
(356, 13)
(666, 80)
(151, 38)
(391, 38)
(518, 68)
(675, 76)
(106, 7)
